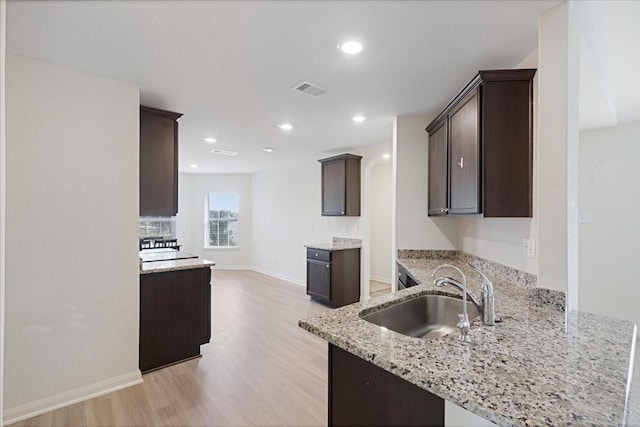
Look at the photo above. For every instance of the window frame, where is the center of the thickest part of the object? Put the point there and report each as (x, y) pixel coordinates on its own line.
(207, 220)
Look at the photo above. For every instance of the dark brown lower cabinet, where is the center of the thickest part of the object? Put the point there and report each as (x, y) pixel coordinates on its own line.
(175, 316)
(362, 394)
(333, 277)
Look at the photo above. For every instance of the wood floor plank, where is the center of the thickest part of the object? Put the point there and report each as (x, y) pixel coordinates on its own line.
(260, 368)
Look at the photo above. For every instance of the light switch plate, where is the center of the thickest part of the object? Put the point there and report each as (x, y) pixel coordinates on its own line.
(529, 248)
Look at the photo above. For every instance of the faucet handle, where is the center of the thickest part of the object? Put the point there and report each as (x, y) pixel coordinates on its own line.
(464, 326)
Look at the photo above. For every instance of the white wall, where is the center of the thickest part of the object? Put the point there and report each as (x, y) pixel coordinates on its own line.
(381, 261)
(3, 46)
(500, 239)
(190, 221)
(610, 232)
(287, 215)
(72, 280)
(558, 75)
(413, 227)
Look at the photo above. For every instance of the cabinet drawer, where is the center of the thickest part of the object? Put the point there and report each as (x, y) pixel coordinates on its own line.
(318, 255)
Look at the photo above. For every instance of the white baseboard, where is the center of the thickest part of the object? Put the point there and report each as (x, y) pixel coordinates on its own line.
(381, 279)
(232, 267)
(279, 276)
(28, 410)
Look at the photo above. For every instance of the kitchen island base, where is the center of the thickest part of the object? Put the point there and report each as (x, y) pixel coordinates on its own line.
(175, 316)
(361, 393)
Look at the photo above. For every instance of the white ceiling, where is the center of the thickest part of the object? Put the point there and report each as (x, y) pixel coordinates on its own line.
(229, 66)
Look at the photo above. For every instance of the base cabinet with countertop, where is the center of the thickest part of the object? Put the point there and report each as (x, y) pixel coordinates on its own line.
(333, 276)
(175, 314)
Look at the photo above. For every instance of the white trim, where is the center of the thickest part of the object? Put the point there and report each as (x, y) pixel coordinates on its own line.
(232, 267)
(3, 186)
(29, 410)
(386, 280)
(218, 248)
(279, 276)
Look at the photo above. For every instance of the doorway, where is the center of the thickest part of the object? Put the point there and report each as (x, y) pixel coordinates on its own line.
(381, 262)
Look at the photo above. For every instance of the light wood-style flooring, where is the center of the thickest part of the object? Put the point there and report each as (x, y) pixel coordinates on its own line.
(377, 288)
(260, 368)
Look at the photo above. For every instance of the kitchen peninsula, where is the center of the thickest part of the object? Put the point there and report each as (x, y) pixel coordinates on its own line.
(538, 366)
(175, 307)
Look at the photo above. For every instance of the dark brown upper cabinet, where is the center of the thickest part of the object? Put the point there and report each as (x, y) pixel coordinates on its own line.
(158, 162)
(341, 185)
(481, 148)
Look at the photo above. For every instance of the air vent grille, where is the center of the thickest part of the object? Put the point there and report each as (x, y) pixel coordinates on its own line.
(224, 152)
(309, 89)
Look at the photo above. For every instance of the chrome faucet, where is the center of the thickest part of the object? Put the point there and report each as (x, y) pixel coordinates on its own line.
(463, 318)
(486, 305)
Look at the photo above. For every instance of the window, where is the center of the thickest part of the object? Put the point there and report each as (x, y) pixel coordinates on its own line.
(157, 227)
(221, 216)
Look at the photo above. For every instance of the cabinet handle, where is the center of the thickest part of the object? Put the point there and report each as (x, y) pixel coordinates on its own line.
(316, 254)
(328, 265)
(342, 212)
(461, 162)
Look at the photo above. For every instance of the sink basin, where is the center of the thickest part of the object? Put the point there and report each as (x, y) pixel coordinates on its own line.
(428, 316)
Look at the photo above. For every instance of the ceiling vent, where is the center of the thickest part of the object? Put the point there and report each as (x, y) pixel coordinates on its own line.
(224, 153)
(309, 89)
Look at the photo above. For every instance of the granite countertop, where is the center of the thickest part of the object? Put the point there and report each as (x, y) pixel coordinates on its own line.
(337, 244)
(536, 367)
(173, 265)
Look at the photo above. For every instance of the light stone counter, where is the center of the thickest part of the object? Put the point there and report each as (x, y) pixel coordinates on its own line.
(536, 367)
(173, 265)
(337, 244)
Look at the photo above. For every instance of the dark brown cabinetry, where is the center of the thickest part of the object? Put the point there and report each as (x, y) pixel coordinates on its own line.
(341, 185)
(486, 134)
(333, 277)
(175, 316)
(438, 170)
(158, 162)
(362, 394)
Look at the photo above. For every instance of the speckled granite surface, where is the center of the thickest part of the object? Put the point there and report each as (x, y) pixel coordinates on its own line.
(535, 368)
(337, 244)
(490, 268)
(179, 264)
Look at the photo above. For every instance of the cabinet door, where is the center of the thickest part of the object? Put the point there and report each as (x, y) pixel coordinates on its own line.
(333, 187)
(158, 165)
(464, 166)
(438, 160)
(319, 279)
(362, 394)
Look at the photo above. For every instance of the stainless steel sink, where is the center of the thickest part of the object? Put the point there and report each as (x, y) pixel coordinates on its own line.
(428, 316)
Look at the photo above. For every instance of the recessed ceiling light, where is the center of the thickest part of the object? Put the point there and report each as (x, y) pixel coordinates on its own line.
(209, 139)
(358, 119)
(268, 149)
(285, 126)
(224, 152)
(351, 47)
(193, 166)
(386, 156)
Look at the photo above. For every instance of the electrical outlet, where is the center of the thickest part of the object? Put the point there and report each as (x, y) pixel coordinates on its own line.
(529, 248)
(584, 217)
